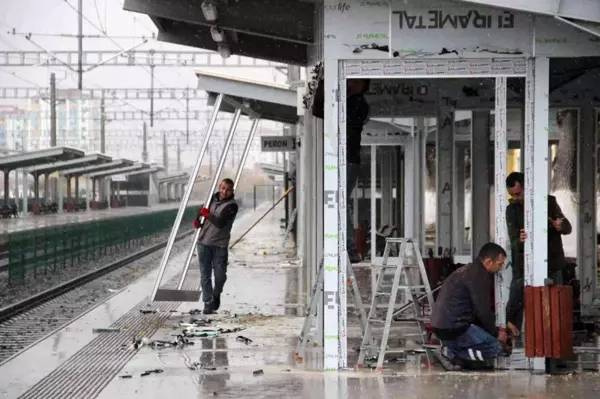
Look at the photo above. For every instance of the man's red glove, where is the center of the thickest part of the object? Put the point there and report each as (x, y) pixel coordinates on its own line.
(204, 212)
(196, 223)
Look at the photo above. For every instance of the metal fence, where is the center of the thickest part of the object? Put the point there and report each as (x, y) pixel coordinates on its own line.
(43, 251)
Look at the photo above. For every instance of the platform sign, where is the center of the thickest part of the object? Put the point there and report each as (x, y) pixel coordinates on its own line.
(118, 178)
(278, 143)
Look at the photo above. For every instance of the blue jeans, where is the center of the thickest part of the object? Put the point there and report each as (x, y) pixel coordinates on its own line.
(212, 260)
(352, 171)
(475, 344)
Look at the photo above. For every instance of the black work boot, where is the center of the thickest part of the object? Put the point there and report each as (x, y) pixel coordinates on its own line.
(216, 303)
(208, 308)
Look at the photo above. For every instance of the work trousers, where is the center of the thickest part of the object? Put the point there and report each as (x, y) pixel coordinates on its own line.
(212, 260)
(475, 344)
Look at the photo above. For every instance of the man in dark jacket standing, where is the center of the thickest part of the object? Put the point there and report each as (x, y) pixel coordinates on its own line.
(558, 225)
(357, 115)
(213, 243)
(463, 317)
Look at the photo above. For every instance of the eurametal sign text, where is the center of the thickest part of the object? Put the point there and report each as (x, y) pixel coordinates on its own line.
(438, 19)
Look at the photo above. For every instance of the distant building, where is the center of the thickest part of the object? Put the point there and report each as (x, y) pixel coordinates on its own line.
(77, 125)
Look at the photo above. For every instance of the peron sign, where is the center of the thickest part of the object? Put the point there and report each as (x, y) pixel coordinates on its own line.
(438, 19)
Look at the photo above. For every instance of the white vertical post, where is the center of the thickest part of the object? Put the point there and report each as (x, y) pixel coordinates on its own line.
(536, 177)
(458, 200)
(421, 173)
(409, 183)
(332, 234)
(342, 215)
(586, 150)
(480, 187)
(500, 233)
(373, 196)
(445, 165)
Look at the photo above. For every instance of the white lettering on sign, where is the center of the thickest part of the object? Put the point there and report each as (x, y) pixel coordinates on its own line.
(438, 19)
(278, 143)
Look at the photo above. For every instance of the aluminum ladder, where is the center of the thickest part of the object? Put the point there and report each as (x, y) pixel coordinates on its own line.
(316, 295)
(369, 348)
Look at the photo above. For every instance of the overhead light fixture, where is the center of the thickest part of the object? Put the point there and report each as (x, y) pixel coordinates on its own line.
(209, 9)
(217, 34)
(224, 50)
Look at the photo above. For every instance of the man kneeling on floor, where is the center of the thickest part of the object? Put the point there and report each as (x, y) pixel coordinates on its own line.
(463, 317)
(213, 243)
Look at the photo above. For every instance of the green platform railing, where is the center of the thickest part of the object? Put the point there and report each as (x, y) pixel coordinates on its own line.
(41, 252)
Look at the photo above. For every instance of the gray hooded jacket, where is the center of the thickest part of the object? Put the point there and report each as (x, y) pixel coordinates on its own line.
(217, 227)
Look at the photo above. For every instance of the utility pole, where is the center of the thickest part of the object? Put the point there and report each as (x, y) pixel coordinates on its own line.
(144, 144)
(80, 46)
(178, 155)
(187, 117)
(52, 110)
(152, 95)
(102, 126)
(165, 152)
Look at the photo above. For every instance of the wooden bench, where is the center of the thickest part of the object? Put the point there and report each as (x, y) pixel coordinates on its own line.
(549, 312)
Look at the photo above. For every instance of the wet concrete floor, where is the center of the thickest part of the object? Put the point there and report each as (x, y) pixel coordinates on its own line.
(260, 297)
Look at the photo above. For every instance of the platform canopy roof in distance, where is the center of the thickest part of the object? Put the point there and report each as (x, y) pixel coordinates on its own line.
(119, 170)
(271, 101)
(38, 157)
(81, 170)
(152, 169)
(87, 160)
(281, 31)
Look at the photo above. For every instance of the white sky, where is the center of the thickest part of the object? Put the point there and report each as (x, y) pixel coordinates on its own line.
(41, 17)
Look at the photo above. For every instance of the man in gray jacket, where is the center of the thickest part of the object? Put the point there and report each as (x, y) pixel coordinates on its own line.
(213, 243)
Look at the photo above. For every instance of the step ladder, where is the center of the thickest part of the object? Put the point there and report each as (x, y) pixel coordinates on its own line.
(315, 295)
(402, 271)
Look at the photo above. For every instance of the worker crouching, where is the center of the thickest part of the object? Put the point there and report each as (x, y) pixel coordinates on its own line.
(213, 243)
(463, 317)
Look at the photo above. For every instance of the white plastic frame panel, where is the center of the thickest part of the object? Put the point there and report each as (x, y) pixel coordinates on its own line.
(500, 67)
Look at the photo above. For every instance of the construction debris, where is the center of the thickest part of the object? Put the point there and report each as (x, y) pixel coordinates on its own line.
(148, 372)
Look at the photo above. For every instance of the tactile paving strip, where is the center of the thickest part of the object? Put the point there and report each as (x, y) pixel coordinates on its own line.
(85, 374)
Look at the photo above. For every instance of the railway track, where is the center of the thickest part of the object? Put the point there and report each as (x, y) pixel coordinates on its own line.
(26, 322)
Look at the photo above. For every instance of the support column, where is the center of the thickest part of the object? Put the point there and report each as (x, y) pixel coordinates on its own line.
(586, 257)
(7, 186)
(409, 184)
(77, 189)
(69, 189)
(480, 188)
(46, 186)
(333, 231)
(36, 188)
(25, 199)
(59, 194)
(502, 278)
(420, 170)
(459, 199)
(386, 209)
(536, 181)
(107, 190)
(444, 153)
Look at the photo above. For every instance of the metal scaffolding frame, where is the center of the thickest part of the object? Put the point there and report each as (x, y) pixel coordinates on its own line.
(188, 59)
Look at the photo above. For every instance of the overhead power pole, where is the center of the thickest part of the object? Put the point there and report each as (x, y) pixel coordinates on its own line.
(165, 152)
(145, 144)
(152, 95)
(178, 155)
(187, 117)
(80, 46)
(52, 110)
(102, 127)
